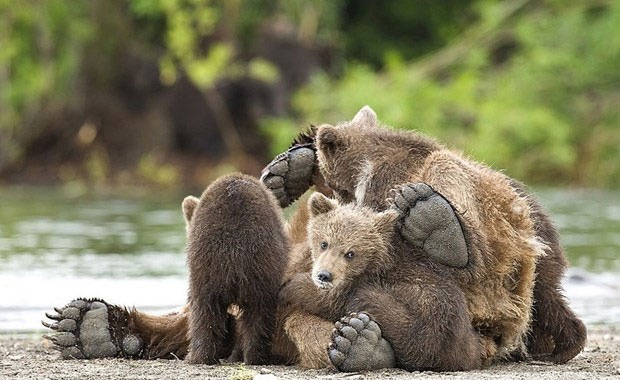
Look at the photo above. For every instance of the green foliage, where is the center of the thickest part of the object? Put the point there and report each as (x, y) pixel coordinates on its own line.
(280, 132)
(151, 170)
(315, 19)
(375, 29)
(189, 25)
(548, 113)
(532, 87)
(40, 47)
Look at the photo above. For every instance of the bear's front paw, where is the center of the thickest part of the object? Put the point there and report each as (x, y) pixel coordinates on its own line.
(289, 175)
(429, 222)
(357, 345)
(87, 329)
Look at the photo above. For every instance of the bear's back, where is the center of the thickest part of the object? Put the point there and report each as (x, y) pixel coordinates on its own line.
(238, 209)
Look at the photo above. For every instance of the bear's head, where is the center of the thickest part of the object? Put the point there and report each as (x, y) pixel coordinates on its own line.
(362, 161)
(340, 150)
(347, 241)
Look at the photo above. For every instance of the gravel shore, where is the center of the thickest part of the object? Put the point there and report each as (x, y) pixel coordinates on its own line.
(30, 357)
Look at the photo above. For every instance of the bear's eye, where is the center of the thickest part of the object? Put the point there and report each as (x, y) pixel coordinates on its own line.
(323, 245)
(349, 255)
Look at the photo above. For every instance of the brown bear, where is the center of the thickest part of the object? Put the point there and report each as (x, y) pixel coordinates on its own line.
(245, 270)
(359, 265)
(502, 246)
(481, 228)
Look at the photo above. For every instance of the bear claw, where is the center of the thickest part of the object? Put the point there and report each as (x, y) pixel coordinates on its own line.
(357, 345)
(289, 175)
(430, 223)
(83, 330)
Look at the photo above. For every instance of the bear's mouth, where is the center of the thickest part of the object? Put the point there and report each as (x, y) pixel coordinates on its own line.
(323, 285)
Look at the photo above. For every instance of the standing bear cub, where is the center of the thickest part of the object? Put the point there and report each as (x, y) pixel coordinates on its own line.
(245, 271)
(400, 308)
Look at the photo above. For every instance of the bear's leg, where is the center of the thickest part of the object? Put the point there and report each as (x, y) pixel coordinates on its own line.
(429, 222)
(426, 324)
(290, 174)
(90, 328)
(310, 335)
(357, 345)
(557, 334)
(256, 331)
(256, 324)
(211, 330)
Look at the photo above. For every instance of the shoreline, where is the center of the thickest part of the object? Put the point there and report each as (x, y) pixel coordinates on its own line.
(27, 356)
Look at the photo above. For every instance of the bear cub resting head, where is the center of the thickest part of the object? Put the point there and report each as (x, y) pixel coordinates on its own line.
(347, 241)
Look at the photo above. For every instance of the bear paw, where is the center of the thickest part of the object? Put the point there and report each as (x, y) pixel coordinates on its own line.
(357, 345)
(429, 222)
(289, 175)
(87, 329)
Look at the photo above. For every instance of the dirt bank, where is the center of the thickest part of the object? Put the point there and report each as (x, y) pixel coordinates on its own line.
(29, 357)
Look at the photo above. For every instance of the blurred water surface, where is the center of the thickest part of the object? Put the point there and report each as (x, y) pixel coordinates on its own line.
(130, 250)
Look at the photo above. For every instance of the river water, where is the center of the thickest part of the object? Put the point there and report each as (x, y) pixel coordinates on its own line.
(129, 250)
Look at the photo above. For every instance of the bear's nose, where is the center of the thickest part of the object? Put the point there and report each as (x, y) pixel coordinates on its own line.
(324, 276)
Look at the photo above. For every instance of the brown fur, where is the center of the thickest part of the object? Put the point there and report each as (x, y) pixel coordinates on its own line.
(357, 241)
(165, 337)
(237, 252)
(557, 335)
(506, 231)
(512, 280)
(372, 270)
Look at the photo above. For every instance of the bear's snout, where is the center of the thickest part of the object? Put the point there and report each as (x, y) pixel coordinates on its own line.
(324, 276)
(323, 279)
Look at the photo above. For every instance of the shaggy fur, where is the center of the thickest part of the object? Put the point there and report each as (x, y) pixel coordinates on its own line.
(513, 246)
(236, 253)
(359, 263)
(510, 287)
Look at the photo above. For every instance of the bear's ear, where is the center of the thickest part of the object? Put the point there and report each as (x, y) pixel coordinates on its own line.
(385, 222)
(329, 140)
(320, 204)
(366, 116)
(189, 205)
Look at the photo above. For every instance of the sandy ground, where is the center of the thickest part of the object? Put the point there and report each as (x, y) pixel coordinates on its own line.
(30, 357)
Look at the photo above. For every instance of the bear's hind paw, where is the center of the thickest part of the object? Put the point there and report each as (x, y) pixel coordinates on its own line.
(88, 329)
(357, 345)
(430, 223)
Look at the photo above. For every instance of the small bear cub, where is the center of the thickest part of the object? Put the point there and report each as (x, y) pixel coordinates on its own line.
(348, 241)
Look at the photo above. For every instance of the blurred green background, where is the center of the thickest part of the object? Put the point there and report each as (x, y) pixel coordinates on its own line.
(96, 93)
(111, 111)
